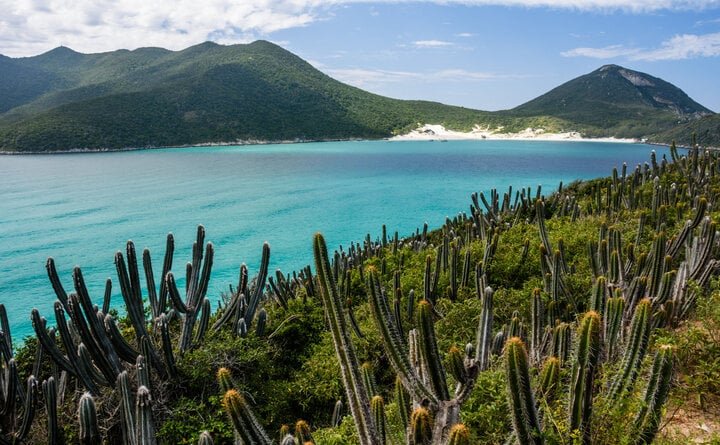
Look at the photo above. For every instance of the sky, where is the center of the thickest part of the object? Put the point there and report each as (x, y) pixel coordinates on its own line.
(483, 54)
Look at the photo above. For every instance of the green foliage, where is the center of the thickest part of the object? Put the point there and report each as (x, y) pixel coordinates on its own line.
(152, 97)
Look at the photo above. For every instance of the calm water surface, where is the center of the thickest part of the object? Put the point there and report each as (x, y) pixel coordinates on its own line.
(82, 208)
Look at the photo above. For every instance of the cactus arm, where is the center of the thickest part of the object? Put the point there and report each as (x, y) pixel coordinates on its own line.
(259, 286)
(429, 351)
(144, 427)
(127, 413)
(394, 343)
(583, 374)
(123, 348)
(635, 350)
(356, 392)
(520, 398)
(484, 331)
(243, 419)
(89, 433)
(49, 345)
(648, 419)
(49, 388)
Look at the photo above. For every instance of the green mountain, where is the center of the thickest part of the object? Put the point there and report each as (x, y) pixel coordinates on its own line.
(206, 93)
(152, 97)
(616, 101)
(706, 131)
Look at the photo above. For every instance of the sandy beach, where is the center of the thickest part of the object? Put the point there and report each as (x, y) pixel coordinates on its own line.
(438, 132)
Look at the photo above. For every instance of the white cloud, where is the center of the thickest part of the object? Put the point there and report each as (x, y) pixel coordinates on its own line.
(432, 43)
(608, 52)
(32, 26)
(464, 34)
(364, 77)
(685, 46)
(679, 47)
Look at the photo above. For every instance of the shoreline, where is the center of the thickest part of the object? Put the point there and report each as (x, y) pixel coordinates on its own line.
(424, 133)
(439, 132)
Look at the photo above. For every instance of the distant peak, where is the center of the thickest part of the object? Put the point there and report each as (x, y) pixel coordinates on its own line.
(610, 67)
(62, 50)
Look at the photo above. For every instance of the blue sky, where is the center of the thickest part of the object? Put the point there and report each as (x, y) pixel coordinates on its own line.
(486, 54)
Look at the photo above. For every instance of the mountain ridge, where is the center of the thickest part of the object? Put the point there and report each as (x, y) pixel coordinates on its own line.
(151, 97)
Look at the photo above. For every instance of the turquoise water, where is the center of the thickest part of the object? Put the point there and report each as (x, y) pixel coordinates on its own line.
(82, 208)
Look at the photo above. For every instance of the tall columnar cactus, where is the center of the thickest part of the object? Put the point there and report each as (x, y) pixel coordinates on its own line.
(357, 393)
(395, 344)
(402, 401)
(648, 419)
(429, 351)
(144, 427)
(337, 414)
(377, 406)
(127, 409)
(635, 349)
(420, 427)
(613, 318)
(205, 439)
(525, 419)
(484, 331)
(550, 378)
(89, 433)
(459, 435)
(538, 326)
(198, 276)
(54, 434)
(243, 419)
(369, 379)
(583, 374)
(302, 432)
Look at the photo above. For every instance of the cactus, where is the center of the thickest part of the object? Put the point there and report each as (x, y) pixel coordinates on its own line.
(484, 331)
(243, 419)
(420, 427)
(377, 406)
(459, 435)
(648, 419)
(127, 413)
(402, 402)
(457, 365)
(224, 379)
(526, 425)
(205, 439)
(144, 427)
(357, 393)
(599, 295)
(550, 378)
(89, 433)
(394, 342)
(538, 329)
(583, 374)
(613, 324)
(337, 414)
(429, 351)
(54, 434)
(640, 328)
(302, 432)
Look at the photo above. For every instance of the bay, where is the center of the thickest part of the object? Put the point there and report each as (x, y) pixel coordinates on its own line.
(82, 208)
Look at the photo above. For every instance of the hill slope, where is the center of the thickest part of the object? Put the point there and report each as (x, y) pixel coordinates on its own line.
(706, 130)
(149, 97)
(206, 93)
(616, 101)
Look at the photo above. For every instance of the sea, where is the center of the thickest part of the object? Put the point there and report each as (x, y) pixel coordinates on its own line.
(81, 208)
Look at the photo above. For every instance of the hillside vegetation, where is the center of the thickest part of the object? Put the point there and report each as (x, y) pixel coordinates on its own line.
(207, 93)
(566, 316)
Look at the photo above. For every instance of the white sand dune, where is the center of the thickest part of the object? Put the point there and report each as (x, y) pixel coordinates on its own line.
(438, 132)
